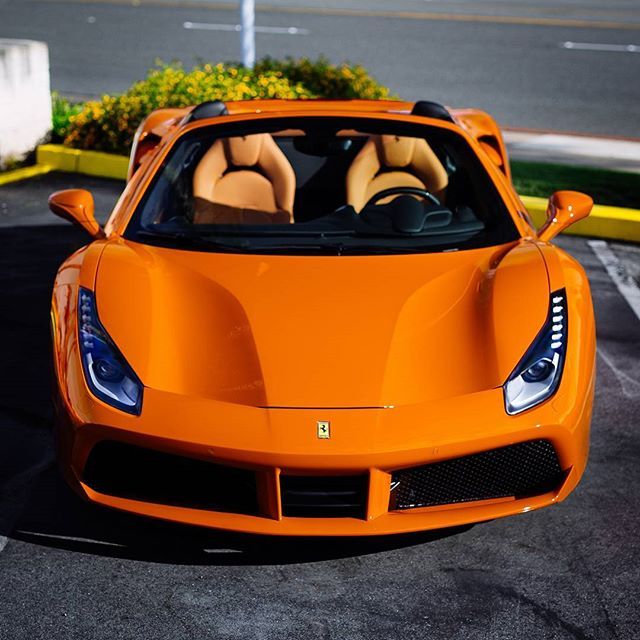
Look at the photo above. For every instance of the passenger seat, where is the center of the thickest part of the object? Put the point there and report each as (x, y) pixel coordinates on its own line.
(244, 180)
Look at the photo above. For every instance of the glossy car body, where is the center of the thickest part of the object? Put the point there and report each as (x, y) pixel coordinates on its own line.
(246, 358)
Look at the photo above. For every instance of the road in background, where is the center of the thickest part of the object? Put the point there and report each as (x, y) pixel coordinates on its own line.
(72, 570)
(551, 64)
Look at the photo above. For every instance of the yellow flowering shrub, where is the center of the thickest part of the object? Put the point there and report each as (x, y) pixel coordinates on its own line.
(109, 124)
(326, 80)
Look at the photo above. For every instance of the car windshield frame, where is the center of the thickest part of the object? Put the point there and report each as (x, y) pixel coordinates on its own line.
(338, 232)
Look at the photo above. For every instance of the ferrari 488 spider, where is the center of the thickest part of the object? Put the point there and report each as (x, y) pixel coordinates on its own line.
(322, 318)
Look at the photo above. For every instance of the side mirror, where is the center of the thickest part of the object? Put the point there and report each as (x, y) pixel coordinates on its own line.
(564, 208)
(76, 205)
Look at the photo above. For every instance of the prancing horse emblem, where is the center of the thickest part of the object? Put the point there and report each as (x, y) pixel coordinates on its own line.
(324, 429)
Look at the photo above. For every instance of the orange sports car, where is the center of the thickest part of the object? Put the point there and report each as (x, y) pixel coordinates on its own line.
(322, 318)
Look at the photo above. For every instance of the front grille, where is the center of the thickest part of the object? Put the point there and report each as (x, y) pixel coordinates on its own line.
(324, 496)
(520, 470)
(128, 471)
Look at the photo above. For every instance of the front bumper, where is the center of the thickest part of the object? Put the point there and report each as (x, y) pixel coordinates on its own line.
(371, 443)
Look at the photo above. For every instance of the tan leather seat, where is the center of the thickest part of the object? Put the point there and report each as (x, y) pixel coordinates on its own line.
(392, 161)
(244, 180)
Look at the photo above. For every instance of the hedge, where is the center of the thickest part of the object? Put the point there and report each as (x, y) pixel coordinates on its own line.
(325, 80)
(109, 124)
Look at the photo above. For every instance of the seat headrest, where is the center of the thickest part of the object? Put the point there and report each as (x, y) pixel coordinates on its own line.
(244, 151)
(395, 151)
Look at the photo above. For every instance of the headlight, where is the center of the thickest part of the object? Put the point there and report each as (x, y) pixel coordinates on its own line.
(538, 374)
(107, 373)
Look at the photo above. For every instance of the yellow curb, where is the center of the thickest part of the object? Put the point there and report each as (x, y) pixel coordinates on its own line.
(24, 173)
(92, 163)
(613, 223)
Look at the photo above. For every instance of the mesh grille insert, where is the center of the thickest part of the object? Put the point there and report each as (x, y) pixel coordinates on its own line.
(128, 471)
(324, 496)
(520, 470)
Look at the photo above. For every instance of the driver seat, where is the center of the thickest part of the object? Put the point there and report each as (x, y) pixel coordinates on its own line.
(244, 180)
(388, 161)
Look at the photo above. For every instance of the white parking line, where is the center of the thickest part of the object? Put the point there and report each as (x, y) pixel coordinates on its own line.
(594, 46)
(629, 386)
(50, 536)
(210, 26)
(627, 286)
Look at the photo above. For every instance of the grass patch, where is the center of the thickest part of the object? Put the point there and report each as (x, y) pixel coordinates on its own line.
(614, 188)
(61, 113)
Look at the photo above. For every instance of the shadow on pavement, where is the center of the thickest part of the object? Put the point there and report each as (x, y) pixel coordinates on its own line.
(57, 518)
(36, 506)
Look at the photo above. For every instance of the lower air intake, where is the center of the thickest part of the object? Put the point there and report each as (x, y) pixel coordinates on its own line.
(324, 496)
(520, 470)
(127, 471)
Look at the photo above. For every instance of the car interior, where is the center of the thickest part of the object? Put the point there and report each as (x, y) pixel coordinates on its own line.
(315, 178)
(251, 178)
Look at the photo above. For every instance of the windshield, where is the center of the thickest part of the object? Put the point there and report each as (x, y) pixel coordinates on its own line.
(308, 185)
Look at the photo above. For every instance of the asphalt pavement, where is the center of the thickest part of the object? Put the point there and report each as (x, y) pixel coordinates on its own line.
(71, 570)
(548, 64)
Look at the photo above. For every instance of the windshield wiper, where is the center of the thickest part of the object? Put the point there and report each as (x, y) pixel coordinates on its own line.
(286, 231)
(327, 248)
(208, 243)
(335, 248)
(378, 249)
(171, 238)
(306, 245)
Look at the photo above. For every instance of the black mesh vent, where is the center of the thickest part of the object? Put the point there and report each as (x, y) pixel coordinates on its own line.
(520, 470)
(324, 496)
(127, 471)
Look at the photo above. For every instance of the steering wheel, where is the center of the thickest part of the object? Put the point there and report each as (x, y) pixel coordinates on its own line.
(411, 191)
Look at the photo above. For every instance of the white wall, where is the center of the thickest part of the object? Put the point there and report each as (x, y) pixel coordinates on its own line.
(25, 97)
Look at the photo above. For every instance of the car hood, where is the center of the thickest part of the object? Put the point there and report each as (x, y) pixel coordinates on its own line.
(329, 331)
